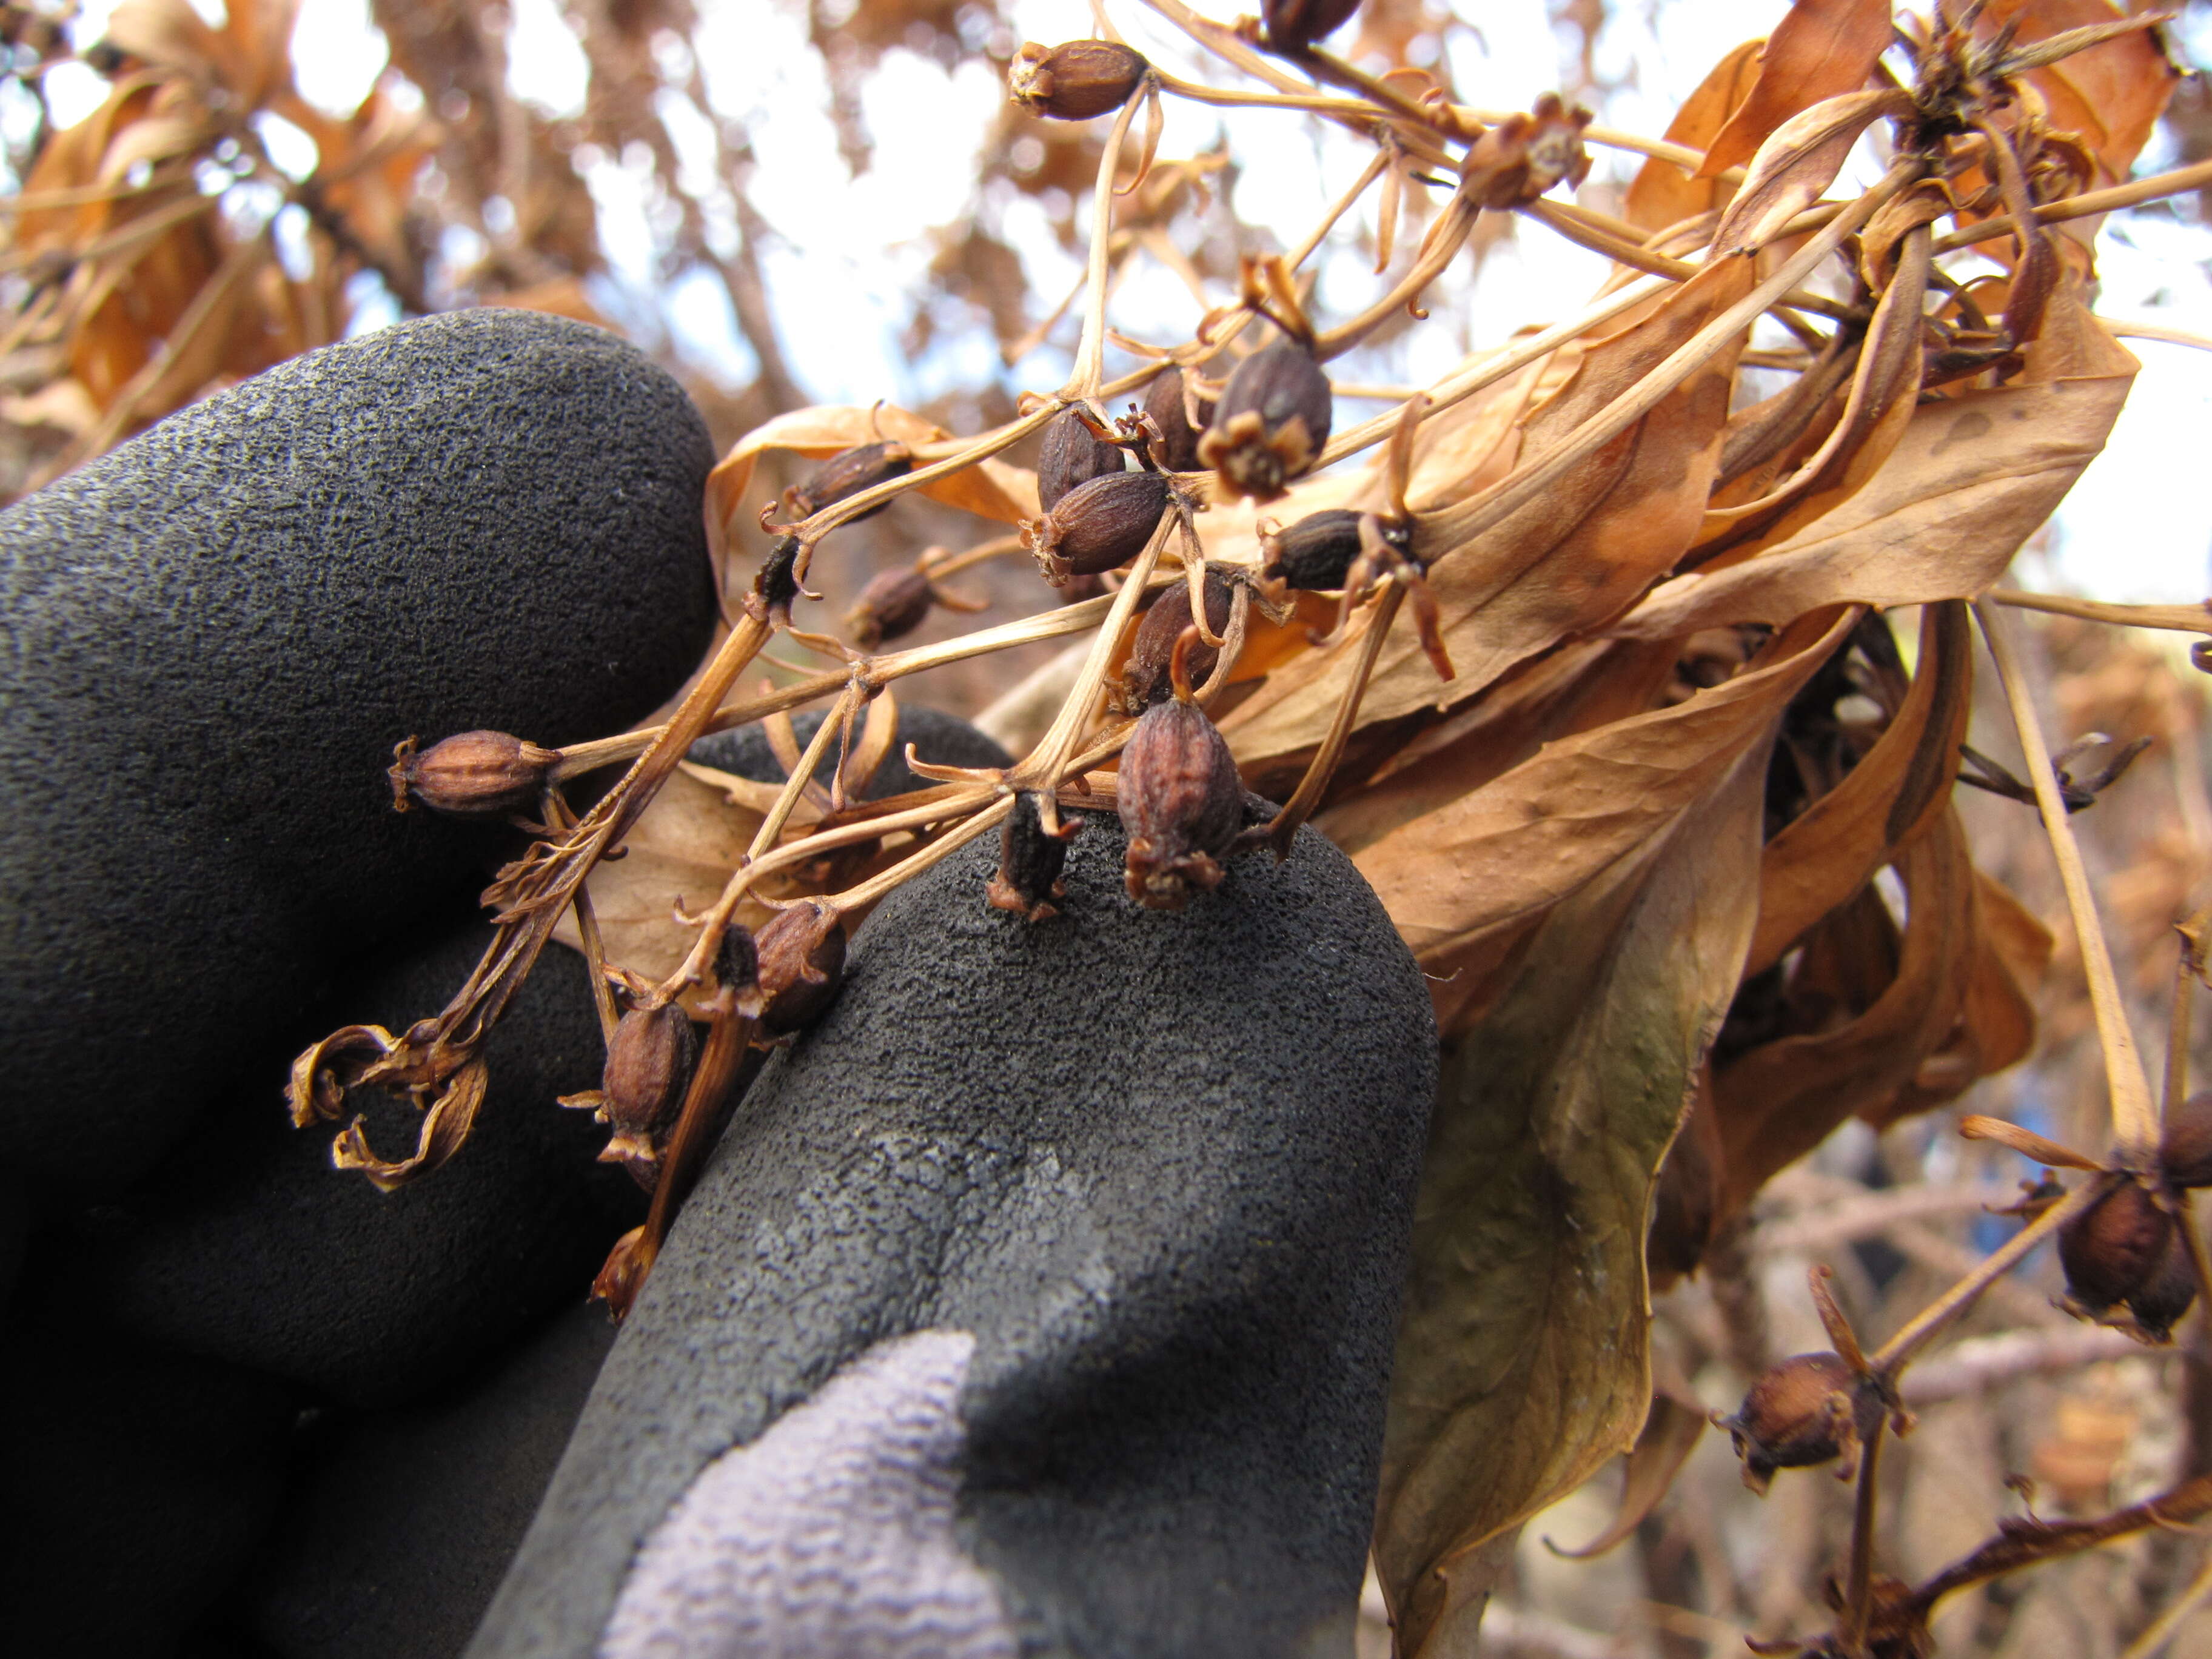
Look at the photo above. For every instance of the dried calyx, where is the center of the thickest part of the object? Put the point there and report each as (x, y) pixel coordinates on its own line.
(649, 1067)
(1178, 418)
(1097, 525)
(473, 773)
(802, 963)
(1077, 81)
(892, 605)
(1316, 553)
(1030, 859)
(1146, 679)
(1074, 453)
(1809, 1410)
(839, 476)
(1270, 423)
(1179, 795)
(2120, 1257)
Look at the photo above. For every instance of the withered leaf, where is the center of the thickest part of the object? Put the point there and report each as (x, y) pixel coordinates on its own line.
(1670, 1433)
(1799, 160)
(1523, 1361)
(1820, 50)
(1664, 194)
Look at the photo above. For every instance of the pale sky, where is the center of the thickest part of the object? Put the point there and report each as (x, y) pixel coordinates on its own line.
(2137, 527)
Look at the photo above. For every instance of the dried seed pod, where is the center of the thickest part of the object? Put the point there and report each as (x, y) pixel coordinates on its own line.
(2186, 1151)
(1146, 679)
(2159, 1302)
(1099, 526)
(1295, 25)
(473, 773)
(1801, 1413)
(1177, 449)
(848, 474)
(648, 1067)
(1181, 801)
(802, 963)
(1030, 859)
(891, 606)
(1272, 421)
(1316, 553)
(1077, 81)
(1073, 455)
(2113, 1250)
(737, 965)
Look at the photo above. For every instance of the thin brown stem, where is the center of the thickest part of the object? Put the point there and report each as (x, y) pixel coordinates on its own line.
(1858, 1580)
(2167, 1625)
(2180, 618)
(2085, 205)
(2134, 1114)
(1284, 827)
(1091, 353)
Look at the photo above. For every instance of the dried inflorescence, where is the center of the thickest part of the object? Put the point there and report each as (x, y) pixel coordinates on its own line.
(1072, 454)
(1099, 526)
(1179, 417)
(891, 606)
(470, 774)
(1147, 679)
(841, 476)
(801, 955)
(1270, 423)
(1802, 1412)
(1030, 857)
(1077, 81)
(1297, 25)
(1179, 796)
(649, 1067)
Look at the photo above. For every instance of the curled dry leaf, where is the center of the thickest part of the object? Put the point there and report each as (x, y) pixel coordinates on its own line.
(1670, 1433)
(1522, 1360)
(1664, 194)
(1798, 161)
(1820, 50)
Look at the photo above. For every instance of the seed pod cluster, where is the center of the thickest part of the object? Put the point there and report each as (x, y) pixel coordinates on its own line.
(1073, 455)
(802, 963)
(848, 474)
(648, 1067)
(1177, 448)
(892, 605)
(1097, 525)
(1147, 679)
(1295, 25)
(473, 773)
(1181, 802)
(1270, 423)
(1801, 1413)
(1030, 859)
(1077, 81)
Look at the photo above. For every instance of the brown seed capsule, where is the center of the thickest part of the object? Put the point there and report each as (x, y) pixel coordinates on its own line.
(474, 772)
(648, 1068)
(802, 963)
(1272, 421)
(2186, 1151)
(1072, 456)
(1077, 81)
(1181, 801)
(891, 606)
(736, 966)
(2160, 1302)
(1295, 25)
(1316, 553)
(1146, 679)
(1097, 525)
(2112, 1251)
(848, 474)
(1800, 1414)
(1030, 859)
(1177, 449)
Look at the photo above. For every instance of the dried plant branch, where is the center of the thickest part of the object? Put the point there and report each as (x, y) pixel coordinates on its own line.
(2180, 618)
(2167, 1625)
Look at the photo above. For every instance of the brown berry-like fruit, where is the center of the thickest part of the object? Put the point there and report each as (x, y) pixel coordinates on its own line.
(1295, 25)
(2185, 1152)
(1077, 81)
(2112, 1251)
(1030, 859)
(891, 606)
(1272, 421)
(1071, 456)
(802, 963)
(1181, 802)
(848, 474)
(1146, 679)
(648, 1067)
(1178, 448)
(1097, 525)
(1801, 1413)
(474, 773)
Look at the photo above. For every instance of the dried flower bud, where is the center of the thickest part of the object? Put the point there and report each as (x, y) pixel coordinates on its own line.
(1524, 156)
(2186, 1151)
(2112, 1251)
(1316, 553)
(1077, 81)
(891, 606)
(1030, 859)
(1177, 449)
(1800, 1414)
(1295, 25)
(474, 772)
(1071, 456)
(648, 1068)
(848, 474)
(1099, 526)
(1272, 421)
(1146, 679)
(2159, 1302)
(802, 963)
(1181, 801)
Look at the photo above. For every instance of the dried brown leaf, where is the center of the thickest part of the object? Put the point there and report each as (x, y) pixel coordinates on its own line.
(2109, 95)
(1670, 1434)
(1664, 194)
(1822, 49)
(1799, 160)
